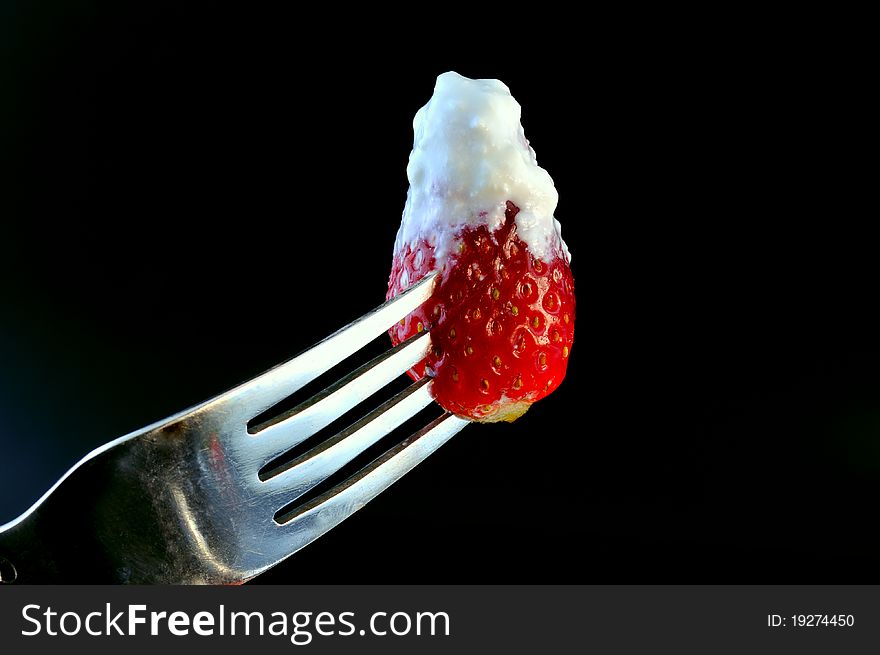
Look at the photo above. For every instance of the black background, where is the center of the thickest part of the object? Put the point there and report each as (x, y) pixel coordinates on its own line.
(198, 191)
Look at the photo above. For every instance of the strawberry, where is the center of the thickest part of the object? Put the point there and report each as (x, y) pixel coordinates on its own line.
(501, 320)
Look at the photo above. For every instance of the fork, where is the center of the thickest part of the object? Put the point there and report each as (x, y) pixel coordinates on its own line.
(183, 501)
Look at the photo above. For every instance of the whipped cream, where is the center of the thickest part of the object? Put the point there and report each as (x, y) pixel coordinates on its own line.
(470, 156)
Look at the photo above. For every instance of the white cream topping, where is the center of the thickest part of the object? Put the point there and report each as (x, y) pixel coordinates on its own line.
(470, 156)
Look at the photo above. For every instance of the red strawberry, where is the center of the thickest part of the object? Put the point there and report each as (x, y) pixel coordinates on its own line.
(501, 321)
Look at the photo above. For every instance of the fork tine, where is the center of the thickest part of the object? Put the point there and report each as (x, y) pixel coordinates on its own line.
(276, 384)
(313, 519)
(315, 466)
(283, 433)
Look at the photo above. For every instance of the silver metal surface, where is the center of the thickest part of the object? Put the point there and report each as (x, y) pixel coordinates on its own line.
(183, 501)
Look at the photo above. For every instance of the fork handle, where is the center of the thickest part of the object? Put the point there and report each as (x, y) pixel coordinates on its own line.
(91, 529)
(54, 544)
(35, 551)
(17, 550)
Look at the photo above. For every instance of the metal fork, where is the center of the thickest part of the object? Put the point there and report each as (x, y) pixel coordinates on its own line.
(183, 501)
